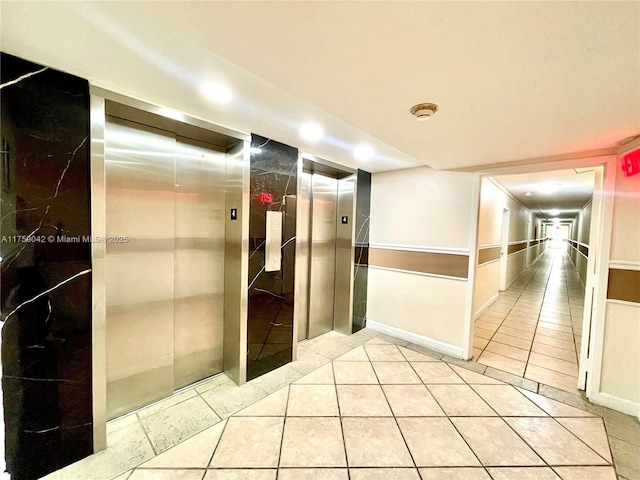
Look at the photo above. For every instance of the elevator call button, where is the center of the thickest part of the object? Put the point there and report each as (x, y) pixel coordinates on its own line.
(345, 220)
(234, 214)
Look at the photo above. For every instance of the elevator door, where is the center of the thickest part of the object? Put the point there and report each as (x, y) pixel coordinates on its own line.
(324, 193)
(165, 283)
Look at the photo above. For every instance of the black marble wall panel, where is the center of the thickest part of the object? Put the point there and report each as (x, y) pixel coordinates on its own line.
(274, 182)
(363, 212)
(45, 268)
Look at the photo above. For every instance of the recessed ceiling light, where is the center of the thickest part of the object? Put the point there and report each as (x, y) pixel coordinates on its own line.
(527, 194)
(424, 111)
(311, 132)
(554, 212)
(549, 187)
(217, 93)
(363, 152)
(556, 221)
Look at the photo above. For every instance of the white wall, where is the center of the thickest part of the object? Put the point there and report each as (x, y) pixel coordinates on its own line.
(420, 209)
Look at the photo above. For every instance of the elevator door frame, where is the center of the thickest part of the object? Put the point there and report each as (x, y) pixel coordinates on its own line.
(236, 250)
(343, 308)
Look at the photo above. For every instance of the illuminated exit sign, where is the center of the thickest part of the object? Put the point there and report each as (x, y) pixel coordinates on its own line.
(266, 197)
(630, 163)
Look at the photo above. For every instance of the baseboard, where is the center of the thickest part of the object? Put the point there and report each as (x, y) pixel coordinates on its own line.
(485, 306)
(412, 337)
(616, 403)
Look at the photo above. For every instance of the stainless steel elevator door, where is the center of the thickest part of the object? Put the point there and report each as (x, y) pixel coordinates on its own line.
(199, 261)
(324, 191)
(139, 171)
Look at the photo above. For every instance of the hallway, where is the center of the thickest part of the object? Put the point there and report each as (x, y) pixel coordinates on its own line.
(534, 329)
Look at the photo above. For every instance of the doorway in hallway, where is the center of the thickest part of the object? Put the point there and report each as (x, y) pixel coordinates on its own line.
(534, 329)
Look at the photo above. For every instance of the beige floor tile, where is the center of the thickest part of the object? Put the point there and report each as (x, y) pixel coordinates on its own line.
(495, 443)
(312, 401)
(460, 401)
(483, 333)
(564, 321)
(526, 327)
(625, 456)
(526, 319)
(308, 360)
(172, 425)
(275, 405)
(195, 452)
(523, 473)
(554, 342)
(313, 474)
(412, 401)
(473, 377)
(358, 354)
(434, 442)
(549, 377)
(480, 342)
(502, 363)
(508, 351)
(362, 401)
(567, 337)
(490, 319)
(586, 473)
(395, 373)
(413, 356)
(508, 401)
(375, 442)
(320, 376)
(249, 442)
(241, 474)
(553, 443)
(487, 325)
(384, 353)
(554, 352)
(431, 372)
(312, 442)
(172, 474)
(354, 373)
(466, 473)
(384, 474)
(476, 354)
(515, 332)
(276, 379)
(228, 399)
(554, 327)
(591, 431)
(166, 403)
(513, 341)
(555, 364)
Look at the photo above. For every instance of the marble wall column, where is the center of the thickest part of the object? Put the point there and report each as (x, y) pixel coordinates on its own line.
(45, 301)
(361, 261)
(273, 180)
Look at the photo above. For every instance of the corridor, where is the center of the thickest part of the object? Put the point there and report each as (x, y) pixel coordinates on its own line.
(534, 329)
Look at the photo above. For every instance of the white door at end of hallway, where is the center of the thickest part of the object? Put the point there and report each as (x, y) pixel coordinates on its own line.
(504, 248)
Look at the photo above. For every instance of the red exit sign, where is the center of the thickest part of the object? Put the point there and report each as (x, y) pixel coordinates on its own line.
(630, 163)
(266, 197)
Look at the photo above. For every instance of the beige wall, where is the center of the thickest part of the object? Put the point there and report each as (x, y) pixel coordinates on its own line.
(493, 201)
(424, 210)
(580, 230)
(620, 374)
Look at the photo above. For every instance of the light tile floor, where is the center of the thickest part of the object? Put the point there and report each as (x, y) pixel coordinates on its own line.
(381, 409)
(534, 328)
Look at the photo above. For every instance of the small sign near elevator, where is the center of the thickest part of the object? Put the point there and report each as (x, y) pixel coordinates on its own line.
(345, 220)
(630, 163)
(234, 214)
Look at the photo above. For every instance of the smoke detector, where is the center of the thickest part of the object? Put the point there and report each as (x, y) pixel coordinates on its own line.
(423, 111)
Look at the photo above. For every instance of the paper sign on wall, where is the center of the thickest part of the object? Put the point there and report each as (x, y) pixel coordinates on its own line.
(273, 242)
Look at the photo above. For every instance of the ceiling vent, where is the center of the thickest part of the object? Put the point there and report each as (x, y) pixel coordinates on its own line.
(424, 111)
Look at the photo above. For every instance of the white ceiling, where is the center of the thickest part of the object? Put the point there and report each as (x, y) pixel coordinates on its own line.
(513, 80)
(574, 189)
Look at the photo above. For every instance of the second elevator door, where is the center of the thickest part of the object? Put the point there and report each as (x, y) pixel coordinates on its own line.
(324, 192)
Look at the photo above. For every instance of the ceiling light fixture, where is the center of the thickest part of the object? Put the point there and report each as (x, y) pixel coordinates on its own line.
(363, 152)
(217, 93)
(424, 111)
(554, 212)
(311, 132)
(527, 194)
